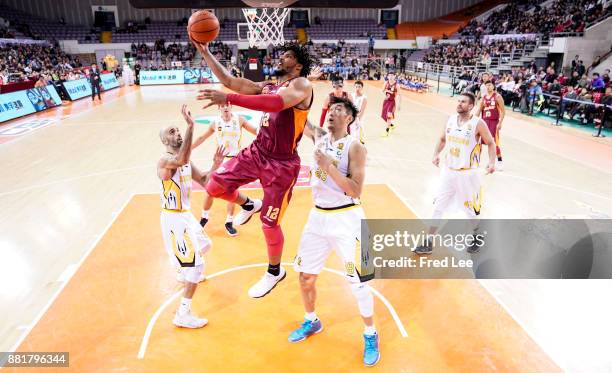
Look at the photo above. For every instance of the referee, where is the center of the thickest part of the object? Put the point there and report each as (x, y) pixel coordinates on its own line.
(94, 79)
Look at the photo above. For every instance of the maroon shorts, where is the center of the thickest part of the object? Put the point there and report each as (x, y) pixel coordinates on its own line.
(388, 109)
(277, 177)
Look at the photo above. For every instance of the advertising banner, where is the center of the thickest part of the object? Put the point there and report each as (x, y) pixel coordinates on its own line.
(17, 104)
(109, 81)
(183, 76)
(78, 88)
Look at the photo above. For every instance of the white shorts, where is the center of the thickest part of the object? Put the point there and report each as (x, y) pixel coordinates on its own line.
(184, 239)
(328, 230)
(459, 190)
(356, 130)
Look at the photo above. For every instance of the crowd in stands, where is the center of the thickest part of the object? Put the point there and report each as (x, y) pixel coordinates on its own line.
(161, 54)
(561, 16)
(472, 52)
(532, 90)
(19, 62)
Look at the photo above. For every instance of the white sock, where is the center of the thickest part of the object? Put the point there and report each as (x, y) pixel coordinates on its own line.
(369, 330)
(229, 218)
(312, 316)
(205, 214)
(185, 306)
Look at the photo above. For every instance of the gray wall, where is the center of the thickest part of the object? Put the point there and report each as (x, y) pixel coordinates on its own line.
(79, 11)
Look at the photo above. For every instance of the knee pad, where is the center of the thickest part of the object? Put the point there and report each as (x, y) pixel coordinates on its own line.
(365, 299)
(192, 274)
(274, 239)
(214, 189)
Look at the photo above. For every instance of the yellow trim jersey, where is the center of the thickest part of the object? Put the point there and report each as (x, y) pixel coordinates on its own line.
(325, 192)
(229, 134)
(464, 148)
(176, 191)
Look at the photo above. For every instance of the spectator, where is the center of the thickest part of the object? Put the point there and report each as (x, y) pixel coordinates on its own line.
(598, 83)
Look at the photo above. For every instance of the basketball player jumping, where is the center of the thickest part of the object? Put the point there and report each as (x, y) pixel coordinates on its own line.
(356, 129)
(493, 111)
(272, 157)
(460, 184)
(335, 223)
(390, 90)
(338, 91)
(184, 239)
(228, 130)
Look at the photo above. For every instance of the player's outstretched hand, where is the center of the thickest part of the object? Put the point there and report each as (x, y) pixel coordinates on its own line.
(219, 156)
(490, 169)
(187, 115)
(216, 97)
(315, 73)
(201, 47)
(436, 160)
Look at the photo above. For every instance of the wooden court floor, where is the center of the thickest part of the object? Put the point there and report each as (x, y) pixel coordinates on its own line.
(82, 266)
(102, 314)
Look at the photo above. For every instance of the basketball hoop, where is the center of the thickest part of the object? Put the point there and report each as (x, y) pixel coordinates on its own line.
(265, 26)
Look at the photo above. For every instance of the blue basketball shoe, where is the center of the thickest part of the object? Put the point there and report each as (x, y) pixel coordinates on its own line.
(307, 329)
(371, 354)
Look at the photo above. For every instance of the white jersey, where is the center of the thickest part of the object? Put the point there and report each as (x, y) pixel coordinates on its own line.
(176, 191)
(229, 134)
(464, 149)
(325, 192)
(358, 101)
(356, 128)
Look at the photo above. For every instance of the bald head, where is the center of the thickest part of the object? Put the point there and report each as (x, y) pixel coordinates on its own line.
(171, 136)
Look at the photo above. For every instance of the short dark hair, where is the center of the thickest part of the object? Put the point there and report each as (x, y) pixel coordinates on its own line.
(301, 55)
(469, 95)
(487, 82)
(348, 105)
(359, 82)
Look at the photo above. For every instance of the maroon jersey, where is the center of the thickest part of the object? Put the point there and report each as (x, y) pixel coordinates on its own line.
(490, 112)
(331, 98)
(280, 133)
(393, 89)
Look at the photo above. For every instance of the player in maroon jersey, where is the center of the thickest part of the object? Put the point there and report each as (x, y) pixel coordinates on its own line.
(338, 91)
(493, 111)
(272, 157)
(388, 109)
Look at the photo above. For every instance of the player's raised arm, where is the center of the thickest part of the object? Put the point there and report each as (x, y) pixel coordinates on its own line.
(168, 163)
(352, 184)
(247, 125)
(487, 139)
(240, 85)
(313, 132)
(298, 90)
(209, 132)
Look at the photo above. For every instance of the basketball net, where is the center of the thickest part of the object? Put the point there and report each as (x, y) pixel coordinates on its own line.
(265, 26)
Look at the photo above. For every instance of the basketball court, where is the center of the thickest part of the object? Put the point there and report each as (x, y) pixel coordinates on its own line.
(83, 267)
(83, 192)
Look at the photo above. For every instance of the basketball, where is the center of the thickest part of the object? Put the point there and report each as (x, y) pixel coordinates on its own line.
(203, 26)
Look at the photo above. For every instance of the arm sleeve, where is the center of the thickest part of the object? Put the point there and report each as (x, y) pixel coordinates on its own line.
(268, 103)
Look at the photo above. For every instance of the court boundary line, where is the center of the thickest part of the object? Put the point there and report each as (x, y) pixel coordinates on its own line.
(54, 297)
(153, 320)
(516, 319)
(503, 305)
